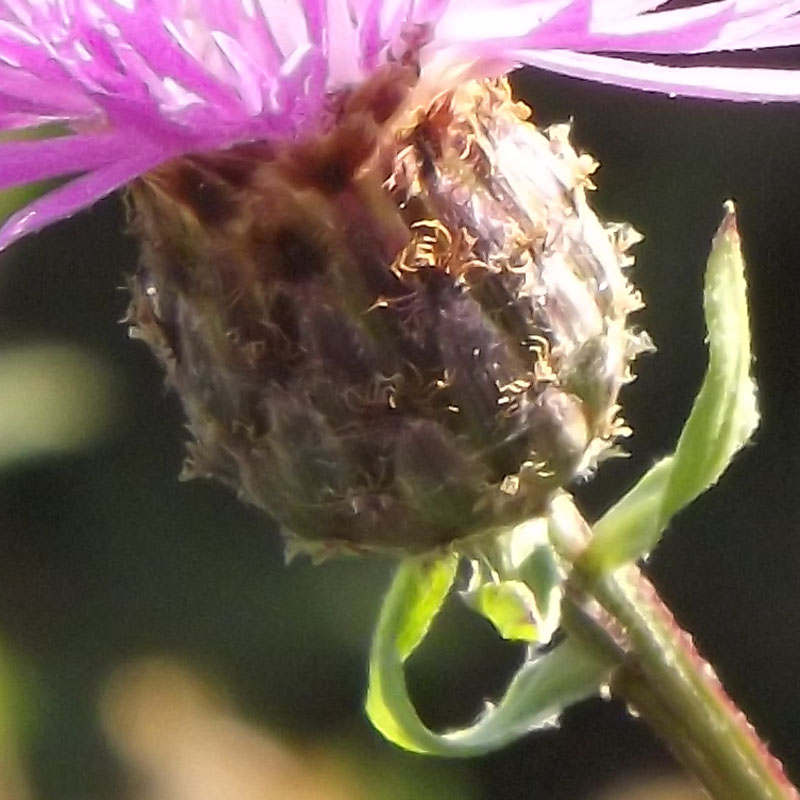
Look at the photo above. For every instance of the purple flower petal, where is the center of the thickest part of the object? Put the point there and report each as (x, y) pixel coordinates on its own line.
(32, 95)
(682, 30)
(158, 78)
(788, 33)
(144, 31)
(72, 197)
(28, 161)
(342, 45)
(719, 83)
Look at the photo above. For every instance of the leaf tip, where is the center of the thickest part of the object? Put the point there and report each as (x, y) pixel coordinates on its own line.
(728, 228)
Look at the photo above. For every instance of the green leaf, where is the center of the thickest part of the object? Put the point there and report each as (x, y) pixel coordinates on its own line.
(418, 590)
(725, 412)
(541, 689)
(516, 585)
(722, 419)
(540, 572)
(510, 606)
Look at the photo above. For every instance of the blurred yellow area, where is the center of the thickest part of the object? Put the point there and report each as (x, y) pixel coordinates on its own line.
(177, 736)
(54, 398)
(662, 788)
(178, 739)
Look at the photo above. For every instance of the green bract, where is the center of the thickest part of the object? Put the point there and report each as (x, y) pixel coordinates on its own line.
(722, 419)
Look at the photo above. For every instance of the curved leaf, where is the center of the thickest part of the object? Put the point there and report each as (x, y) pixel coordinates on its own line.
(542, 688)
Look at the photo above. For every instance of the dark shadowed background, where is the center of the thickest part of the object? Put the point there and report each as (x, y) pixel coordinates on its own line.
(106, 559)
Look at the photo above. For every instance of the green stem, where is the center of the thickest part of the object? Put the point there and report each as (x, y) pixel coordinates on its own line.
(663, 677)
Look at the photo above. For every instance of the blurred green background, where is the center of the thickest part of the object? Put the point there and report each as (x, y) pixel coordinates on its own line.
(149, 628)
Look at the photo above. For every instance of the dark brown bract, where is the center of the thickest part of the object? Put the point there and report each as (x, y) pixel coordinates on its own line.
(410, 330)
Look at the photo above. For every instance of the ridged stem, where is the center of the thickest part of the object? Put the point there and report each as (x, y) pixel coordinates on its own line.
(663, 677)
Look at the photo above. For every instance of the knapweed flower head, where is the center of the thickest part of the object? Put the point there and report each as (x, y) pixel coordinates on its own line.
(391, 315)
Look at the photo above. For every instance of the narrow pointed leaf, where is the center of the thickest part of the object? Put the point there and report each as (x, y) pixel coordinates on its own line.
(721, 422)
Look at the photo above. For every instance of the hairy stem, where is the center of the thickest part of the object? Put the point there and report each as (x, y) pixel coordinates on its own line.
(663, 677)
(659, 672)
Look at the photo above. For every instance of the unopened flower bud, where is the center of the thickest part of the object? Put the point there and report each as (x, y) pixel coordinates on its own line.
(403, 331)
